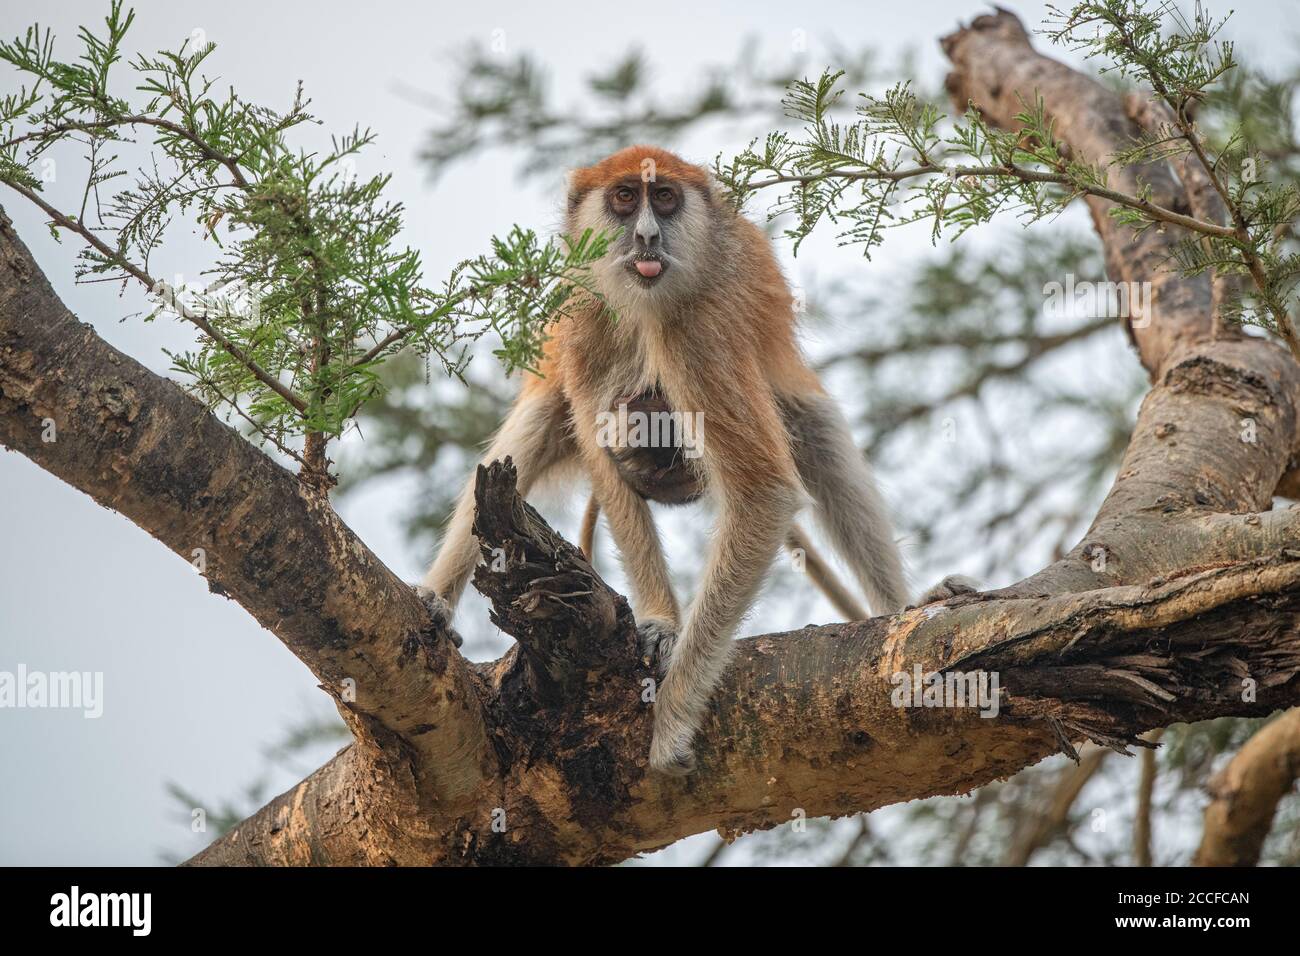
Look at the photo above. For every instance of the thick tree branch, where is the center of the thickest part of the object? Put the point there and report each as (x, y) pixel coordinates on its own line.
(1216, 432)
(137, 443)
(804, 721)
(996, 68)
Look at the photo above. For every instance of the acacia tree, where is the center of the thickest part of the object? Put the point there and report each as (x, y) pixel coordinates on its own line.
(1177, 605)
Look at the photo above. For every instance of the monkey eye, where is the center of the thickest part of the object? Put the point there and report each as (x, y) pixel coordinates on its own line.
(624, 198)
(665, 199)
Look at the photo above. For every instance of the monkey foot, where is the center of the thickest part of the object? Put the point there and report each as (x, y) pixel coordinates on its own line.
(440, 611)
(676, 759)
(949, 587)
(658, 637)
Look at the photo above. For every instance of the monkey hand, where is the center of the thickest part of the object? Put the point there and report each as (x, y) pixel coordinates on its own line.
(949, 587)
(440, 611)
(658, 637)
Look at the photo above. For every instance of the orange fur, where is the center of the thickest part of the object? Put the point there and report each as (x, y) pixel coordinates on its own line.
(630, 163)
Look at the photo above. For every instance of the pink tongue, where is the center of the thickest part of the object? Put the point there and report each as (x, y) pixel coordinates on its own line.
(649, 267)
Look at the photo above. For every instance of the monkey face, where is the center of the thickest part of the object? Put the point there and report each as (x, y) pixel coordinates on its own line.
(662, 210)
(645, 210)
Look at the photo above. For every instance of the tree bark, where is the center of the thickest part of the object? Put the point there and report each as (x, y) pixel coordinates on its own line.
(1181, 603)
(804, 721)
(1245, 794)
(138, 444)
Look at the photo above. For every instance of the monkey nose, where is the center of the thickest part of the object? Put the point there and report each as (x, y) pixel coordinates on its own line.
(649, 267)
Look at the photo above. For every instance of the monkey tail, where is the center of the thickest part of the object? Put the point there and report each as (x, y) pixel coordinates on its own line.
(796, 540)
(822, 576)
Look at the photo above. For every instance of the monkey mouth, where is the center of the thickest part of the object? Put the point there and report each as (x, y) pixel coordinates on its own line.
(647, 269)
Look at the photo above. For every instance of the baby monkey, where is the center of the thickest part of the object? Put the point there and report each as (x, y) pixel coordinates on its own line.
(706, 321)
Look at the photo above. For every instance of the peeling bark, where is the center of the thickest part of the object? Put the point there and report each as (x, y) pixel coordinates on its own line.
(804, 720)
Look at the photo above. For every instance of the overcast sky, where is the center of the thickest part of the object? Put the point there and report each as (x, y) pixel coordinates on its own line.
(193, 688)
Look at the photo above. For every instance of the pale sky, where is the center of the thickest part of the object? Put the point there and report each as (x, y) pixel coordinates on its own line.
(193, 688)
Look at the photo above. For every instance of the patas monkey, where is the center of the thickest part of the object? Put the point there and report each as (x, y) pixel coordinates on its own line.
(706, 320)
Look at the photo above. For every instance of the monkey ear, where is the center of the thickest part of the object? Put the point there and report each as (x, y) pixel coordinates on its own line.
(717, 192)
(570, 190)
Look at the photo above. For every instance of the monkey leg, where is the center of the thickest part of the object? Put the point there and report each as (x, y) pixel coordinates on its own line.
(949, 587)
(751, 527)
(633, 529)
(587, 536)
(796, 541)
(848, 506)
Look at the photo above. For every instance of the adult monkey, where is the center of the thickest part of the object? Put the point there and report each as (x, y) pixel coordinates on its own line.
(705, 320)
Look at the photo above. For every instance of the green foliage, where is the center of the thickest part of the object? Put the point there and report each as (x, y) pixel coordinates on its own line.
(901, 161)
(1183, 62)
(312, 289)
(1150, 43)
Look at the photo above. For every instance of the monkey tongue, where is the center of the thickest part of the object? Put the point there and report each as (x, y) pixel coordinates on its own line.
(649, 267)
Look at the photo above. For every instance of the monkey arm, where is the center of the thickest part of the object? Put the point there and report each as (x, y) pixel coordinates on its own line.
(533, 436)
(630, 523)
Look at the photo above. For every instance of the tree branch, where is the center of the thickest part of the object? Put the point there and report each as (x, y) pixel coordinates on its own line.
(995, 67)
(1154, 210)
(161, 288)
(1145, 793)
(1050, 818)
(1246, 794)
(137, 443)
(804, 720)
